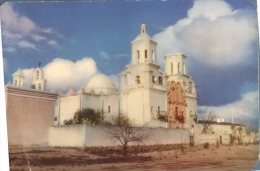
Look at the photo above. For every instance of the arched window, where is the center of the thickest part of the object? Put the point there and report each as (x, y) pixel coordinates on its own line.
(137, 79)
(138, 56)
(153, 79)
(153, 57)
(160, 80)
(178, 68)
(190, 87)
(145, 55)
(108, 109)
(171, 68)
(37, 75)
(176, 111)
(159, 108)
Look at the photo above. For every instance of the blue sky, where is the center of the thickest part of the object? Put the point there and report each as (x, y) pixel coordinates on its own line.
(219, 37)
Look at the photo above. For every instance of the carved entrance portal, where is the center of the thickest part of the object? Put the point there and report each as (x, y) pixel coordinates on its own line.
(176, 105)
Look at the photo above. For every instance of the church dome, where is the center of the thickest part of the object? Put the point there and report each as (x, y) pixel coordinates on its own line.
(101, 84)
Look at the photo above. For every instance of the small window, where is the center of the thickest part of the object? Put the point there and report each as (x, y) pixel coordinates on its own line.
(137, 79)
(171, 68)
(159, 108)
(178, 68)
(37, 75)
(153, 79)
(39, 86)
(190, 87)
(138, 56)
(160, 80)
(108, 109)
(145, 54)
(153, 57)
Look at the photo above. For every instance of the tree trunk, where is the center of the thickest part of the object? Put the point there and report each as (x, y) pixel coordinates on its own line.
(125, 149)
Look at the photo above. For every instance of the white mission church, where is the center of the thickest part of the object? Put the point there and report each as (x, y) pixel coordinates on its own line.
(143, 93)
(149, 96)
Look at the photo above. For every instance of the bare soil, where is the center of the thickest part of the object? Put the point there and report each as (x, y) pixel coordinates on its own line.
(157, 157)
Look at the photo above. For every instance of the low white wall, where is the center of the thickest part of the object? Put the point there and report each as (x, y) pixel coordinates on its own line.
(211, 138)
(85, 135)
(73, 135)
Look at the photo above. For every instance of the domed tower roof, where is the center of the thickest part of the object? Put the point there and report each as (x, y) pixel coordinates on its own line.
(101, 84)
(143, 34)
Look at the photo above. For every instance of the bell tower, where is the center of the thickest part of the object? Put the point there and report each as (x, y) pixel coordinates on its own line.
(38, 82)
(142, 96)
(144, 48)
(18, 78)
(177, 75)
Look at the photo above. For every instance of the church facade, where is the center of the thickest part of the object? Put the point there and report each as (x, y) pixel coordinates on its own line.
(148, 95)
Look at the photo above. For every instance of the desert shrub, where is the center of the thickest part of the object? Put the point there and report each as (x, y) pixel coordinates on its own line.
(206, 145)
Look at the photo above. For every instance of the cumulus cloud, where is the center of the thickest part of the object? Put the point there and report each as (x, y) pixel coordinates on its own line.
(244, 110)
(64, 74)
(26, 44)
(213, 33)
(19, 31)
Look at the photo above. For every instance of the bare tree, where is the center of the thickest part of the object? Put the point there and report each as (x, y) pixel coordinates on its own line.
(207, 126)
(123, 132)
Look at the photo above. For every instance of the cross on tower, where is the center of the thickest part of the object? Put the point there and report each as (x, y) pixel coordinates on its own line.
(39, 64)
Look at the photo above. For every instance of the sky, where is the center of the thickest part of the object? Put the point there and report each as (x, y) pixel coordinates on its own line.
(76, 40)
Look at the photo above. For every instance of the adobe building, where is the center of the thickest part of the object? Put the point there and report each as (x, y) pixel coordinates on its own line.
(29, 111)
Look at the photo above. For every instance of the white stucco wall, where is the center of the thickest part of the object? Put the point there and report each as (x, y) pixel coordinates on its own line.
(68, 105)
(112, 102)
(137, 106)
(85, 135)
(91, 101)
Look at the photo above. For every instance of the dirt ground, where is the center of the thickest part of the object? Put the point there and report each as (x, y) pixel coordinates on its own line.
(148, 158)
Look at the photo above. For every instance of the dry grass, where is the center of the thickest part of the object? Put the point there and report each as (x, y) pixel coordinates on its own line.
(157, 157)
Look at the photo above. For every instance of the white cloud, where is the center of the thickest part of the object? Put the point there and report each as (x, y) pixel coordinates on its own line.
(19, 28)
(104, 55)
(52, 43)
(64, 74)
(244, 110)
(26, 44)
(37, 37)
(107, 56)
(212, 33)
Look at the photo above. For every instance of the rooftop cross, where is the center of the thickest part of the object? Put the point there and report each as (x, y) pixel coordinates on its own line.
(39, 64)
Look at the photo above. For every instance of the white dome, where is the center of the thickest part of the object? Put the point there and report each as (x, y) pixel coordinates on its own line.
(101, 84)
